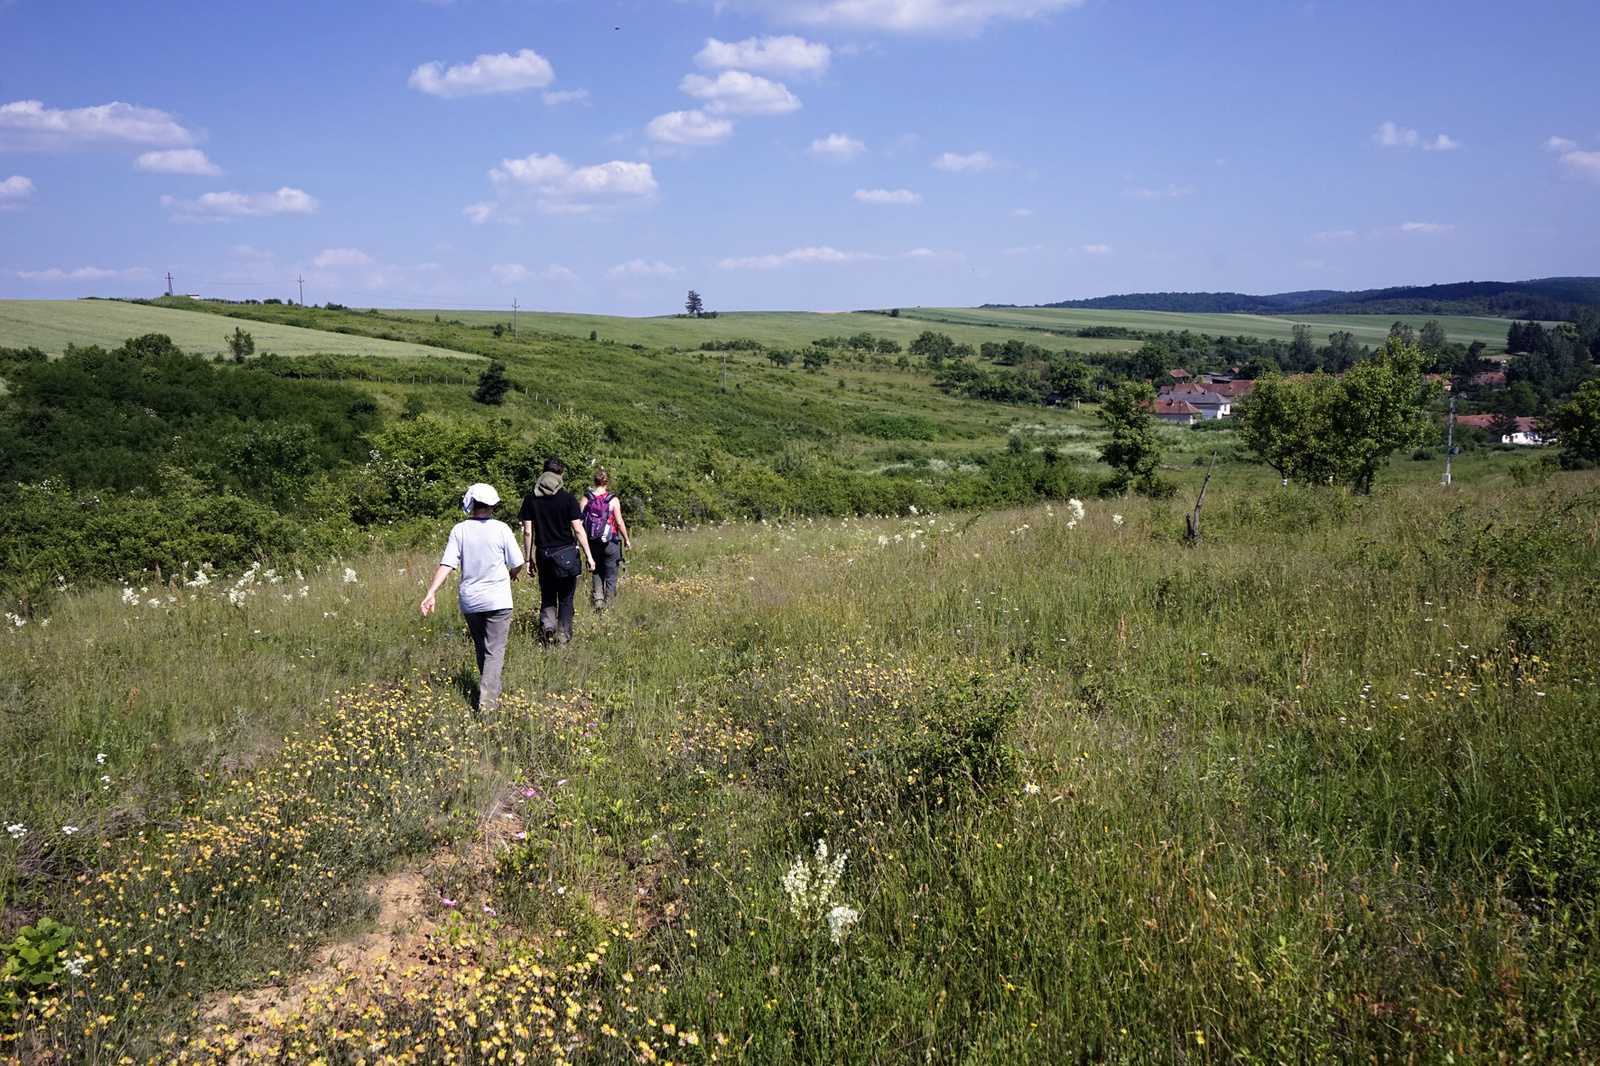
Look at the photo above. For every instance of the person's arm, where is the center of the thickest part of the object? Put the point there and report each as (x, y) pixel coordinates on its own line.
(438, 579)
(527, 540)
(583, 540)
(622, 527)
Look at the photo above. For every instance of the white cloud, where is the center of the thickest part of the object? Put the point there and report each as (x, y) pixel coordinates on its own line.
(799, 255)
(887, 196)
(245, 251)
(557, 272)
(510, 272)
(838, 147)
(639, 268)
(738, 92)
(559, 188)
(501, 73)
(905, 16)
(342, 257)
(565, 96)
(1336, 235)
(479, 212)
(225, 206)
(1171, 191)
(938, 257)
(1582, 164)
(1391, 136)
(965, 164)
(13, 191)
(788, 55)
(85, 273)
(1422, 227)
(178, 161)
(693, 128)
(27, 125)
(1097, 249)
(1575, 163)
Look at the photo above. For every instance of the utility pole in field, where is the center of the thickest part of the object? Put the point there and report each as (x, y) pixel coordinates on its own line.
(169, 283)
(301, 278)
(724, 371)
(1449, 441)
(513, 318)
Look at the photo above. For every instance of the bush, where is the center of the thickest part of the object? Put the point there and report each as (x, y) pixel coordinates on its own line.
(895, 427)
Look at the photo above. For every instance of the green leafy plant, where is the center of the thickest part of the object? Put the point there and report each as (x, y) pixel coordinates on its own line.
(33, 961)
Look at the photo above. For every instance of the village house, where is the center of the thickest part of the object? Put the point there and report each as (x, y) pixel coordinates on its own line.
(1526, 433)
(1179, 412)
(1212, 399)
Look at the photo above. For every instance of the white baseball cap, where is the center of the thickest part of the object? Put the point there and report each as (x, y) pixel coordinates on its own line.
(479, 493)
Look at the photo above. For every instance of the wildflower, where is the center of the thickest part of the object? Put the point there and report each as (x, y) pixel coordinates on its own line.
(100, 757)
(810, 884)
(447, 901)
(490, 911)
(840, 919)
(1116, 520)
(16, 619)
(17, 830)
(913, 509)
(68, 830)
(1076, 507)
(201, 580)
(305, 590)
(153, 603)
(349, 576)
(1031, 789)
(129, 597)
(75, 966)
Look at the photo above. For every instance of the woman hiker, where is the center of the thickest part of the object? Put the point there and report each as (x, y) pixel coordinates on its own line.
(607, 533)
(552, 535)
(485, 553)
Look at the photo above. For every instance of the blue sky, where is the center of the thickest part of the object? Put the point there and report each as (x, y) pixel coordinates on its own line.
(607, 155)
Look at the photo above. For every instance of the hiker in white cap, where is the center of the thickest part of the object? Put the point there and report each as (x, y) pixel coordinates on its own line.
(485, 552)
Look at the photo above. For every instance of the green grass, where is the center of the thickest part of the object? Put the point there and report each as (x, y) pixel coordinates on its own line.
(53, 324)
(1320, 788)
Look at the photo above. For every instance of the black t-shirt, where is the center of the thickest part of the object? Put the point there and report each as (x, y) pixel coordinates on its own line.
(552, 518)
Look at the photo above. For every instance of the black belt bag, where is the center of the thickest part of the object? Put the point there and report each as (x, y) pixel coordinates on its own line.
(565, 559)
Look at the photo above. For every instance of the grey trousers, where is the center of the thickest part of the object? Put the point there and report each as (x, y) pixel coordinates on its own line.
(489, 630)
(607, 561)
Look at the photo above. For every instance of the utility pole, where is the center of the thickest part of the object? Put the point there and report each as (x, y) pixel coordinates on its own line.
(301, 278)
(169, 283)
(724, 371)
(513, 318)
(1449, 441)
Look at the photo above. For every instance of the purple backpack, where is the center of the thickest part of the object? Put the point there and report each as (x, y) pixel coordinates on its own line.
(597, 516)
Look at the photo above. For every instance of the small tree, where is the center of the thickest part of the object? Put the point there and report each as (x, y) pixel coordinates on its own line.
(780, 358)
(1134, 450)
(1432, 339)
(694, 305)
(814, 359)
(1502, 425)
(241, 344)
(1577, 426)
(1340, 430)
(493, 384)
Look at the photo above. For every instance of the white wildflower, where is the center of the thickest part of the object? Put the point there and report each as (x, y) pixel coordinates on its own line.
(840, 919)
(17, 830)
(883, 541)
(1031, 789)
(130, 597)
(200, 580)
(305, 590)
(1076, 507)
(152, 602)
(236, 597)
(68, 830)
(913, 509)
(100, 758)
(810, 883)
(1116, 520)
(75, 965)
(349, 576)
(16, 620)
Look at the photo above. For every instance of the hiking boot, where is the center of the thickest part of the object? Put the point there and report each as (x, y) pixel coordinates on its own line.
(547, 637)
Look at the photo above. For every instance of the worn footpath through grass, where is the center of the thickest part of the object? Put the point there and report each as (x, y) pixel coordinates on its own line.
(1033, 786)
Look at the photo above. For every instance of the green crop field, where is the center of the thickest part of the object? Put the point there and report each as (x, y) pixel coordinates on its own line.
(53, 324)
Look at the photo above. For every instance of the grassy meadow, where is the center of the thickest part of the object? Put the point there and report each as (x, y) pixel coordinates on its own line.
(1319, 788)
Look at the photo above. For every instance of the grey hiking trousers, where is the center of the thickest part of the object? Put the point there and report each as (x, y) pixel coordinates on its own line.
(607, 560)
(489, 631)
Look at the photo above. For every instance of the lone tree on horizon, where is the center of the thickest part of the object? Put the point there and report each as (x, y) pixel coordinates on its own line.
(694, 305)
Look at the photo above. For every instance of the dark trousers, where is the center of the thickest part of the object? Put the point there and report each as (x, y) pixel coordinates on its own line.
(607, 563)
(555, 600)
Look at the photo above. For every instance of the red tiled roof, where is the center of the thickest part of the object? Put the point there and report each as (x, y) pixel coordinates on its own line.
(1176, 407)
(1489, 377)
(1179, 373)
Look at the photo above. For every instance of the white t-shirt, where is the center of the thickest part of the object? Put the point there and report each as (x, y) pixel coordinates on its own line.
(482, 550)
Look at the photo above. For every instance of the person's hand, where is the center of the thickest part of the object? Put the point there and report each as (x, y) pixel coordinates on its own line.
(427, 605)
